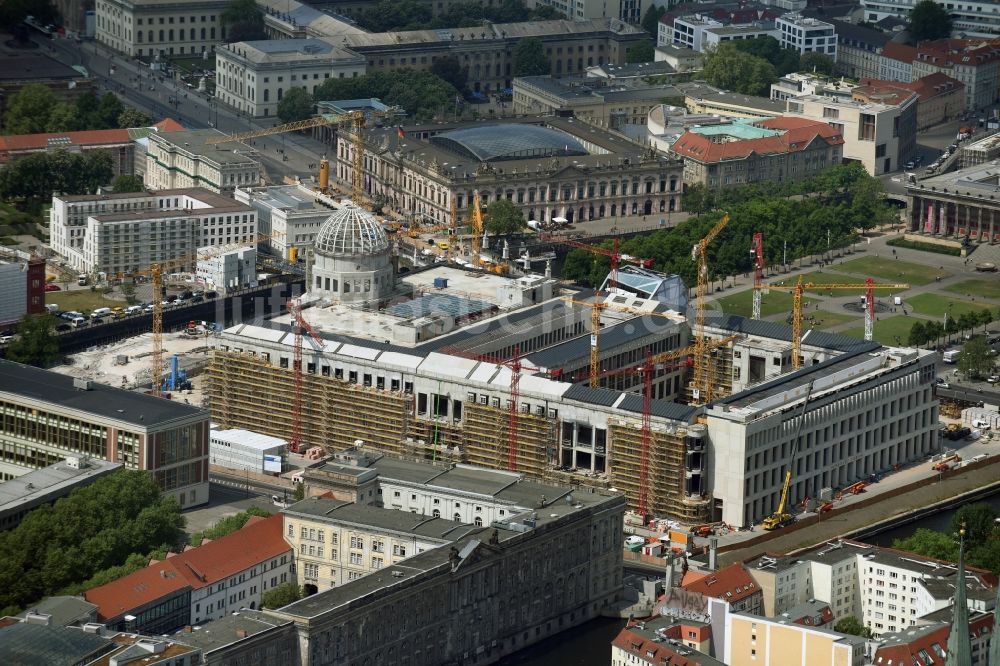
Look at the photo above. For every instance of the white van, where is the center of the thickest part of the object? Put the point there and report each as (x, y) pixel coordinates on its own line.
(79, 322)
(100, 312)
(133, 309)
(981, 424)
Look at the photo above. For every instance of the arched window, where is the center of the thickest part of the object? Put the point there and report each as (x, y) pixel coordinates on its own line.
(436, 513)
(478, 521)
(457, 517)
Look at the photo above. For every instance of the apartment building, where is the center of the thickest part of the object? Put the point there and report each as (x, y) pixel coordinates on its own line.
(706, 30)
(807, 35)
(974, 18)
(660, 640)
(129, 232)
(757, 641)
(22, 286)
(973, 62)
(887, 590)
(150, 28)
(253, 77)
(859, 50)
(881, 136)
(187, 159)
(739, 153)
(796, 84)
(47, 416)
(201, 584)
(897, 62)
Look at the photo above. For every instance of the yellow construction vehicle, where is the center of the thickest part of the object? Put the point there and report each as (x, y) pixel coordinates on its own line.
(780, 517)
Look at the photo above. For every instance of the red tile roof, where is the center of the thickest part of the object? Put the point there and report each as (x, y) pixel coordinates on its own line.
(882, 92)
(799, 134)
(927, 87)
(949, 52)
(911, 653)
(260, 540)
(662, 653)
(730, 584)
(901, 52)
(169, 125)
(18, 142)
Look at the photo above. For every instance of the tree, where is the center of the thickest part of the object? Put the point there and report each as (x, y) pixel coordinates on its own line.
(641, 52)
(451, 70)
(300, 492)
(918, 335)
(422, 95)
(929, 543)
(850, 625)
(651, 19)
(128, 291)
(503, 218)
(978, 520)
(529, 58)
(28, 111)
(297, 104)
(976, 359)
(133, 117)
(819, 63)
(36, 342)
(126, 183)
(282, 595)
(62, 118)
(728, 67)
(697, 199)
(929, 20)
(985, 318)
(784, 60)
(243, 21)
(13, 12)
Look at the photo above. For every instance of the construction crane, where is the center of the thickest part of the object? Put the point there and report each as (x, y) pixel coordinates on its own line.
(299, 324)
(780, 517)
(869, 286)
(596, 308)
(702, 392)
(758, 272)
(357, 121)
(615, 256)
(477, 230)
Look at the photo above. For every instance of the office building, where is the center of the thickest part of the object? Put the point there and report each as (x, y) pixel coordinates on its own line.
(956, 204)
(807, 35)
(129, 232)
(181, 160)
(979, 152)
(288, 216)
(774, 150)
(880, 135)
(550, 167)
(523, 579)
(229, 271)
(605, 103)
(151, 28)
(940, 98)
(975, 63)
(23, 490)
(701, 32)
(796, 84)
(704, 99)
(975, 18)
(22, 287)
(752, 640)
(680, 58)
(201, 584)
(253, 77)
(48, 416)
(245, 636)
(247, 451)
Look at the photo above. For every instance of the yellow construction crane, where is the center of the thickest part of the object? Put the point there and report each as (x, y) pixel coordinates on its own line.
(356, 119)
(780, 517)
(869, 287)
(702, 392)
(477, 230)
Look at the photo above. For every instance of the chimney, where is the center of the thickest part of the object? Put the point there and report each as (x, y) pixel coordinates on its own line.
(241, 633)
(713, 547)
(670, 570)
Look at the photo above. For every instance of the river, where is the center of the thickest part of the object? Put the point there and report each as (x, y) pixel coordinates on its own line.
(937, 521)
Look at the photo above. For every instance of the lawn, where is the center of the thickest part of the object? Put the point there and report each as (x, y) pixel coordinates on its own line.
(893, 270)
(775, 302)
(825, 319)
(935, 305)
(976, 288)
(81, 300)
(821, 278)
(886, 329)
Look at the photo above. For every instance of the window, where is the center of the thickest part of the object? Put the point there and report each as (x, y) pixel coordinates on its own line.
(357, 542)
(829, 112)
(377, 562)
(399, 551)
(866, 127)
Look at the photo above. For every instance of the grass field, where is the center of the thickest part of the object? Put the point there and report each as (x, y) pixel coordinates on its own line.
(935, 305)
(742, 303)
(976, 288)
(81, 300)
(886, 329)
(825, 320)
(892, 270)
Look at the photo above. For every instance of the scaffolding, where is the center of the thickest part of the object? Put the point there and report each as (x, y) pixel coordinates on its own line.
(720, 371)
(487, 442)
(667, 451)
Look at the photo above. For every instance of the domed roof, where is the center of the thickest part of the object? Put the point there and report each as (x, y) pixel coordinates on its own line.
(509, 141)
(351, 231)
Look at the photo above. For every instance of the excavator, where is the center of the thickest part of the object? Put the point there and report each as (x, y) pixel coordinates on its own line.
(780, 517)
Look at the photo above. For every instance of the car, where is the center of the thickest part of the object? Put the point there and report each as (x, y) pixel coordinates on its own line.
(52, 287)
(993, 379)
(149, 308)
(5, 338)
(210, 295)
(197, 298)
(941, 383)
(910, 165)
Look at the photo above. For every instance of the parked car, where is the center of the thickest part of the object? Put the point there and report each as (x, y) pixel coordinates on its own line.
(909, 165)
(52, 287)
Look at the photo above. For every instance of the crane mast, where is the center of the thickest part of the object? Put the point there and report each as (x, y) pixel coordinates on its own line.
(758, 272)
(702, 382)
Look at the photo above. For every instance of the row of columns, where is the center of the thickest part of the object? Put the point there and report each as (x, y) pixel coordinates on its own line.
(944, 218)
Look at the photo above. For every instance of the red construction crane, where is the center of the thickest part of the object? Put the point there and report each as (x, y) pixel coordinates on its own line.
(615, 256)
(299, 323)
(758, 272)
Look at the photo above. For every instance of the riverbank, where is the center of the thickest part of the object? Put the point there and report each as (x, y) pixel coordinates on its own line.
(964, 485)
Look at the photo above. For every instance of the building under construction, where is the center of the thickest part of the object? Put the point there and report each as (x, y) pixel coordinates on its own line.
(461, 365)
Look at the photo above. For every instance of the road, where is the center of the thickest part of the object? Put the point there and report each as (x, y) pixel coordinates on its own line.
(139, 86)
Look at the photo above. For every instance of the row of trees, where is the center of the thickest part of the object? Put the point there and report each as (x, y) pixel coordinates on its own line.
(243, 21)
(36, 109)
(932, 332)
(982, 548)
(750, 66)
(32, 179)
(389, 15)
(844, 199)
(120, 518)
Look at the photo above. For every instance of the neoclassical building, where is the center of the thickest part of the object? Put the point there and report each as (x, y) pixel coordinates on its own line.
(551, 167)
(961, 204)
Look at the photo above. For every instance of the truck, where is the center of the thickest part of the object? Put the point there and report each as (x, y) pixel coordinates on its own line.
(951, 356)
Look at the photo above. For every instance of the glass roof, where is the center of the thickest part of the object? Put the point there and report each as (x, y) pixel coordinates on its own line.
(509, 142)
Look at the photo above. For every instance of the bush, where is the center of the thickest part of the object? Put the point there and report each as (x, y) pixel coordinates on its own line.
(925, 247)
(228, 525)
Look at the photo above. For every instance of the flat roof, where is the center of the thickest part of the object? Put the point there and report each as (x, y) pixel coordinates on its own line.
(33, 67)
(101, 401)
(293, 199)
(195, 142)
(380, 518)
(247, 438)
(217, 634)
(41, 483)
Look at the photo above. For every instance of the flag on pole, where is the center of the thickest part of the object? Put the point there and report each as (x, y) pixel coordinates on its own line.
(402, 134)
